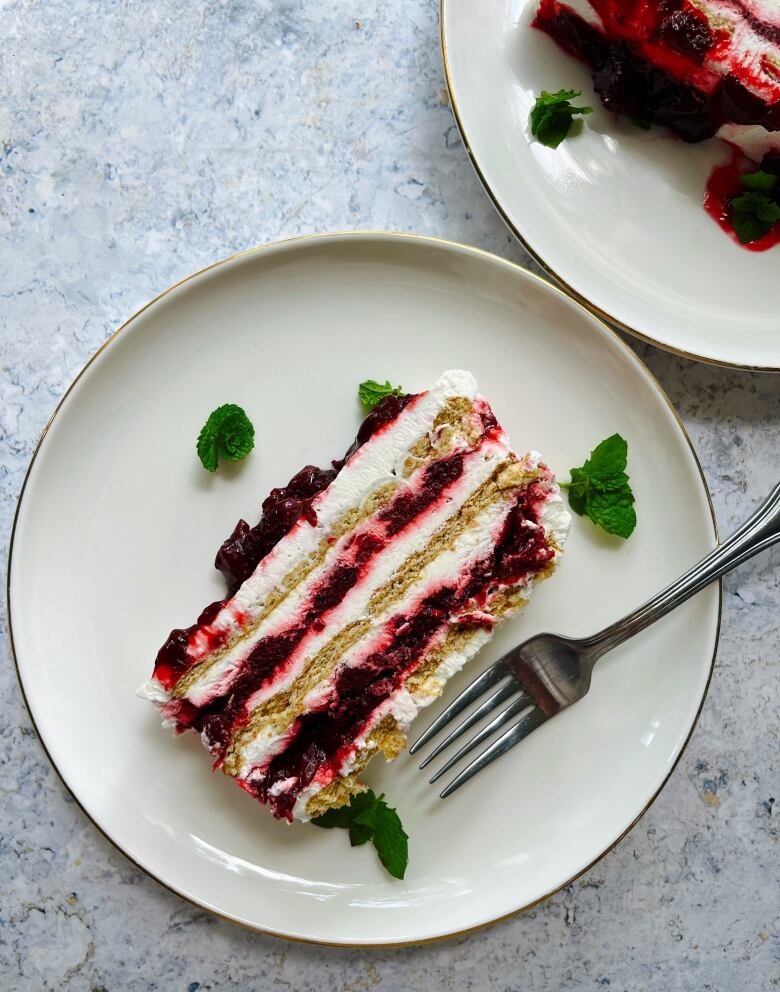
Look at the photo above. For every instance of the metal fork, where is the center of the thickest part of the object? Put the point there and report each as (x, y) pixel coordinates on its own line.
(549, 673)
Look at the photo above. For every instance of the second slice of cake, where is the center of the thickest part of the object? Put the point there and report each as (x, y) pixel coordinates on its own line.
(698, 67)
(358, 595)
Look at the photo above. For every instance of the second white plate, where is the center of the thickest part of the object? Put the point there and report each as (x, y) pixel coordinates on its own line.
(118, 525)
(615, 213)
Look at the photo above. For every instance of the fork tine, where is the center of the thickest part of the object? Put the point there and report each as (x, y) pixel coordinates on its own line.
(499, 696)
(524, 726)
(497, 671)
(515, 707)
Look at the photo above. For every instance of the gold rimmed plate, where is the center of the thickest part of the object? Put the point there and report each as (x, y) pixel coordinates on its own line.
(118, 524)
(615, 213)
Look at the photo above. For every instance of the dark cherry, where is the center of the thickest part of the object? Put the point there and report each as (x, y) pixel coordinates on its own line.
(519, 551)
(733, 102)
(217, 719)
(186, 715)
(280, 515)
(310, 481)
(216, 730)
(408, 505)
(357, 692)
(687, 32)
(576, 37)
(171, 662)
(632, 86)
(489, 421)
(340, 580)
(210, 613)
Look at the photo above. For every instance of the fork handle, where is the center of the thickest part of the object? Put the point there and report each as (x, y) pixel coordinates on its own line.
(759, 531)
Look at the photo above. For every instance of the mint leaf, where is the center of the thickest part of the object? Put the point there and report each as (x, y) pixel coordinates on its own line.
(600, 488)
(228, 433)
(578, 491)
(759, 205)
(608, 458)
(613, 512)
(368, 817)
(390, 838)
(749, 228)
(759, 182)
(360, 833)
(372, 392)
(754, 216)
(552, 115)
(207, 451)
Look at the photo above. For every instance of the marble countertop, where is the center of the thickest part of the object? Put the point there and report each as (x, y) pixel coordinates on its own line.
(141, 142)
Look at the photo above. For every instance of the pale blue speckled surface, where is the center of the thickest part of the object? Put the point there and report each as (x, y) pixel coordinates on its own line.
(140, 142)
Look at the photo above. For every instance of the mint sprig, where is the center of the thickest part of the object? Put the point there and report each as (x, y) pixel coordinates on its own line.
(228, 433)
(756, 211)
(369, 818)
(371, 392)
(600, 489)
(753, 215)
(552, 116)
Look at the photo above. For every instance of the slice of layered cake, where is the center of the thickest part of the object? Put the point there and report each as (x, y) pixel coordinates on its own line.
(360, 592)
(698, 67)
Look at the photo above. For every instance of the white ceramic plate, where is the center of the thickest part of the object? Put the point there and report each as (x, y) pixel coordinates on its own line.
(615, 212)
(118, 526)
